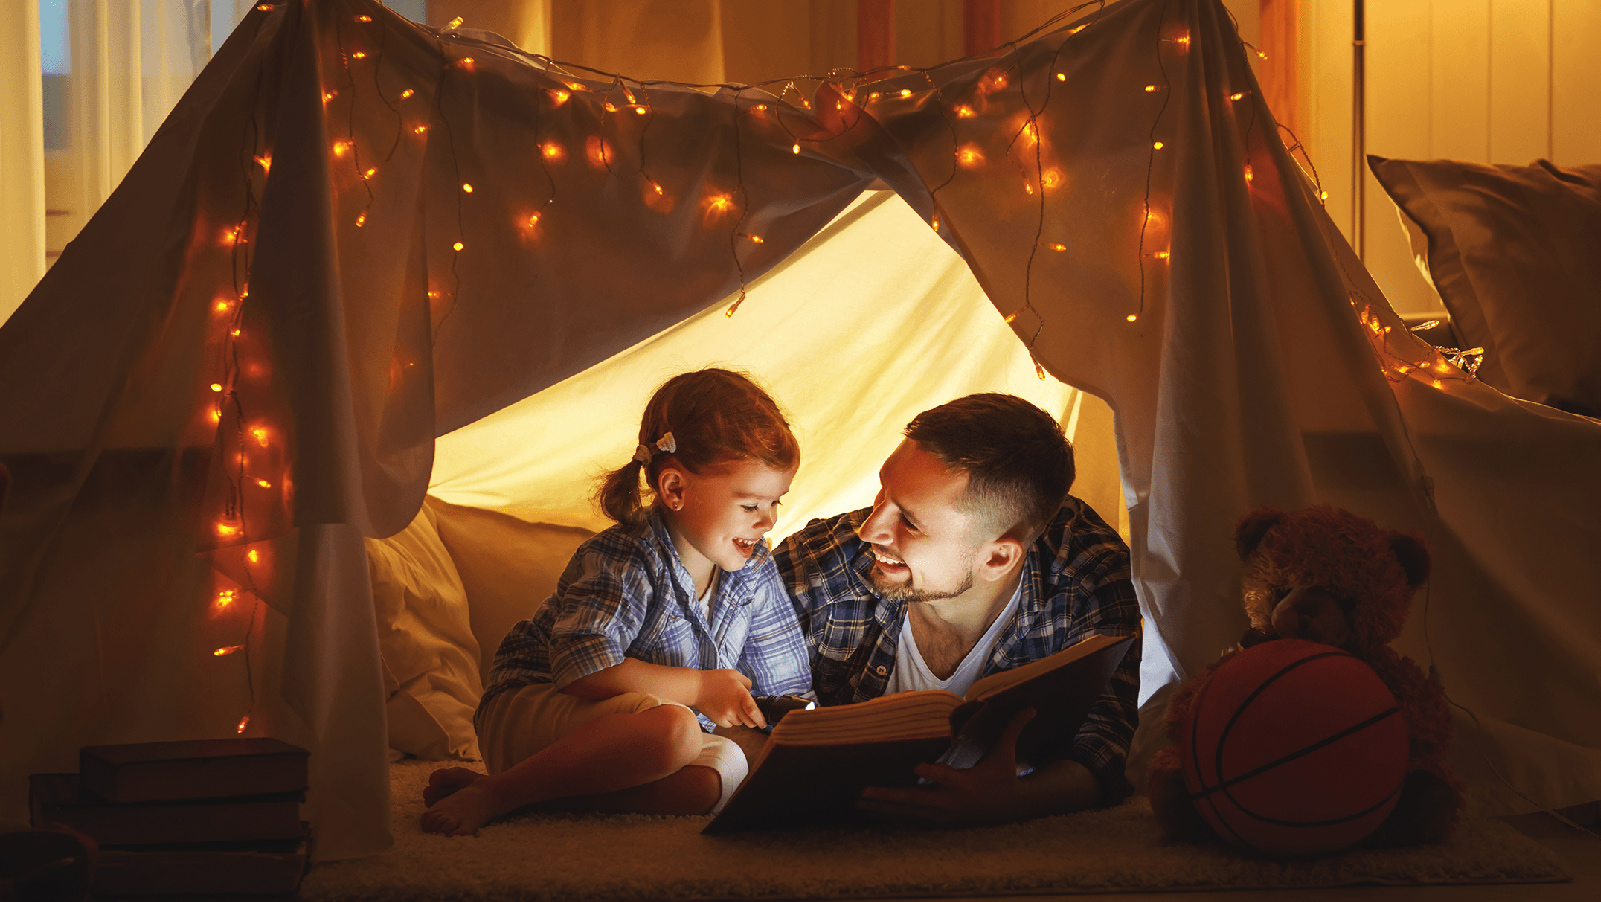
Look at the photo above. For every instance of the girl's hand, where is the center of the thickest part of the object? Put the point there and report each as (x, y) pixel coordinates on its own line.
(724, 697)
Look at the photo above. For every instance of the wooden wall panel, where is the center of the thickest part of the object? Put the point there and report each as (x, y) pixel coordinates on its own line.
(1460, 78)
(1520, 81)
(1576, 87)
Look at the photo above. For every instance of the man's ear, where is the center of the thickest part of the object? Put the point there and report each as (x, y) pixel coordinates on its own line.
(1000, 556)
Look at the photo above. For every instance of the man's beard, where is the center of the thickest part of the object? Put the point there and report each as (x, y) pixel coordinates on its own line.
(908, 593)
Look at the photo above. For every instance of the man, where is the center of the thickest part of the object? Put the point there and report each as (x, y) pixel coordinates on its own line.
(973, 559)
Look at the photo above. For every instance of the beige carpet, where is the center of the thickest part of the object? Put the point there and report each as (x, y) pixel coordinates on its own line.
(638, 857)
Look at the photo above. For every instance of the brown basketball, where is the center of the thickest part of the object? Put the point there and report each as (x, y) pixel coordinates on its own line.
(1294, 748)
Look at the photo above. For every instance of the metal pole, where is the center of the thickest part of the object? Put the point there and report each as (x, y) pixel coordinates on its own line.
(1359, 163)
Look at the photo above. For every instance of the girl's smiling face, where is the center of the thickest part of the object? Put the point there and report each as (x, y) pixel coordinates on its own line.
(717, 516)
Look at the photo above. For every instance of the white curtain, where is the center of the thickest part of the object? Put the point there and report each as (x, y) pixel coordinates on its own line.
(68, 136)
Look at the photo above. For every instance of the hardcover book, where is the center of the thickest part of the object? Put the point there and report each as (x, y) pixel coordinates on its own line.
(816, 762)
(60, 799)
(192, 769)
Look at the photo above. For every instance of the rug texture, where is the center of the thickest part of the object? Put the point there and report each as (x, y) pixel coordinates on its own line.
(595, 857)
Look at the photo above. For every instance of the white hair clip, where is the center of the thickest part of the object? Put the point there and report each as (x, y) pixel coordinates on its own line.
(665, 445)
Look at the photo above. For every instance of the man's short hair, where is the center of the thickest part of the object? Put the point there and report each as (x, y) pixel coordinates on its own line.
(1018, 463)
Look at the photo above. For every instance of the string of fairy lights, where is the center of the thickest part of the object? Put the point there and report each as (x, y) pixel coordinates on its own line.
(778, 106)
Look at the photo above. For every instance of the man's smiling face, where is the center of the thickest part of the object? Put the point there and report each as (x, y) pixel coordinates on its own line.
(924, 539)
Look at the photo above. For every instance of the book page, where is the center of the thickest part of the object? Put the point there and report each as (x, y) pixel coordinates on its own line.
(904, 715)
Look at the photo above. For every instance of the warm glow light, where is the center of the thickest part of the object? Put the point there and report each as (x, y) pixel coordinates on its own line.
(230, 237)
(1248, 174)
(611, 107)
(969, 157)
(364, 18)
(934, 221)
(1323, 195)
(794, 148)
(466, 62)
(1132, 317)
(234, 333)
(420, 130)
(1010, 317)
(1240, 96)
(243, 722)
(559, 96)
(553, 151)
(458, 245)
(1061, 76)
(228, 650)
(1057, 247)
(1039, 371)
(328, 95)
(1182, 40)
(454, 23)
(222, 305)
(406, 93)
(369, 173)
(1052, 178)
(1150, 88)
(533, 220)
(225, 598)
(216, 415)
(1161, 255)
(598, 150)
(1436, 383)
(341, 148)
(906, 92)
(265, 162)
(260, 432)
(963, 111)
(755, 239)
(361, 219)
(216, 386)
(640, 110)
(227, 529)
(360, 55)
(466, 187)
(1157, 145)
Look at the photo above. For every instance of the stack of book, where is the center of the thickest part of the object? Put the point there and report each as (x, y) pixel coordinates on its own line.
(202, 817)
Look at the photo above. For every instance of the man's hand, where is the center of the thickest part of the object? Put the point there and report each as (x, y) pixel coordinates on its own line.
(987, 793)
(724, 697)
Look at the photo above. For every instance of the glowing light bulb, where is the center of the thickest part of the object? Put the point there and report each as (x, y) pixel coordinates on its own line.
(222, 305)
(755, 239)
(1249, 175)
(454, 23)
(906, 92)
(794, 148)
(466, 187)
(361, 219)
(216, 415)
(963, 111)
(1324, 195)
(1061, 76)
(466, 62)
(234, 333)
(227, 529)
(265, 162)
(420, 130)
(227, 650)
(369, 173)
(328, 95)
(1039, 371)
(266, 485)
(216, 386)
(260, 432)
(341, 148)
(1160, 255)
(934, 221)
(364, 18)
(458, 246)
(1150, 88)
(552, 151)
(533, 220)
(640, 110)
(611, 107)
(1132, 317)
(1156, 145)
(225, 598)
(243, 722)
(1239, 96)
(406, 94)
(360, 55)
(969, 157)
(1010, 316)
(1182, 40)
(1057, 247)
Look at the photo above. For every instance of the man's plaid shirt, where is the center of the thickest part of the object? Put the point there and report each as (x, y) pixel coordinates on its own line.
(626, 593)
(1075, 584)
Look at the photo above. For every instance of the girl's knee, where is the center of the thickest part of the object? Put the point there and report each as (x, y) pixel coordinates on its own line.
(676, 736)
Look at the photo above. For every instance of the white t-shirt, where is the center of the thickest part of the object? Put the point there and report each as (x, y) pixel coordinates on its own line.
(912, 673)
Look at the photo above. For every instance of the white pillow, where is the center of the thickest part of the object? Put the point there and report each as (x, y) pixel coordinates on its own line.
(424, 634)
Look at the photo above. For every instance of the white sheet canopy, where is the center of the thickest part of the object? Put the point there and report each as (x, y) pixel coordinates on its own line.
(241, 366)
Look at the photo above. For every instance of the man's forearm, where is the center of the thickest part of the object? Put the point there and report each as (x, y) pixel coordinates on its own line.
(674, 684)
(1055, 788)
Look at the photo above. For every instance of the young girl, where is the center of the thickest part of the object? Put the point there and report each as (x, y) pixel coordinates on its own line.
(660, 627)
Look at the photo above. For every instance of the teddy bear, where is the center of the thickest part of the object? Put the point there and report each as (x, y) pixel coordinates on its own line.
(1326, 575)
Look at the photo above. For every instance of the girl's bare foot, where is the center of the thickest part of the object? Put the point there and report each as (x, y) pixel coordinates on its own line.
(445, 781)
(465, 810)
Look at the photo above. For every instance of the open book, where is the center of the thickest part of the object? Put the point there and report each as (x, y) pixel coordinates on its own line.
(816, 762)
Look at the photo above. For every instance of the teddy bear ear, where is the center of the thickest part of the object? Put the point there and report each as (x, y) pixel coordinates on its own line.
(1252, 527)
(1413, 556)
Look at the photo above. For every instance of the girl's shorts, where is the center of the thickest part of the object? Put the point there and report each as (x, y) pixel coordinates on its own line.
(519, 722)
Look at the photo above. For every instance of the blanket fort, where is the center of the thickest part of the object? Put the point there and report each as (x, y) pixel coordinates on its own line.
(355, 234)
